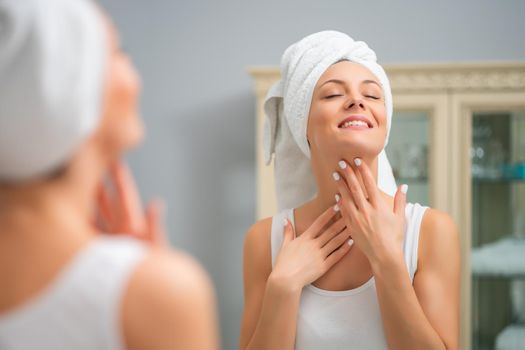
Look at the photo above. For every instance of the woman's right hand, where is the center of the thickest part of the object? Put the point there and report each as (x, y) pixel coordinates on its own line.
(119, 209)
(304, 259)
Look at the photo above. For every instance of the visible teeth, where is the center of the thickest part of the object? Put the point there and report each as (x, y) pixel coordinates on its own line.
(355, 123)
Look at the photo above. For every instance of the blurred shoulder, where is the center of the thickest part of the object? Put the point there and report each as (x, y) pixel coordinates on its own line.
(169, 287)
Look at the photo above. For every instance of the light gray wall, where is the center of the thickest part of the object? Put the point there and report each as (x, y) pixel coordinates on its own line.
(199, 107)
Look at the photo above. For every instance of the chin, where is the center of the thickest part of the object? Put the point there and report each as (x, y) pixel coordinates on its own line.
(134, 138)
(357, 147)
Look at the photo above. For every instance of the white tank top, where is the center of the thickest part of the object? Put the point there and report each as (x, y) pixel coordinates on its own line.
(81, 308)
(349, 319)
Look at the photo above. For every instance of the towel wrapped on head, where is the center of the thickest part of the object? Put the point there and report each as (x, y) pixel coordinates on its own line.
(287, 106)
(52, 68)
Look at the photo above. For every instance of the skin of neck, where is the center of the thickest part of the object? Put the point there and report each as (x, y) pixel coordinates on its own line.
(63, 207)
(324, 167)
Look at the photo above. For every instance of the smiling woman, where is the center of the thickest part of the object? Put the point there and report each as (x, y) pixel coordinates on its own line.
(346, 263)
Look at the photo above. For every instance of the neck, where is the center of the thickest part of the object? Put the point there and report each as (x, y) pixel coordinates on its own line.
(326, 185)
(54, 210)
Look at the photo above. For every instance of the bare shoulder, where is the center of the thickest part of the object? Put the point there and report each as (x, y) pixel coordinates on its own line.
(257, 247)
(169, 298)
(258, 235)
(439, 237)
(257, 254)
(257, 266)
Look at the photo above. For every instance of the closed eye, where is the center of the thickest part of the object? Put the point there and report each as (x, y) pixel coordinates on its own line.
(372, 97)
(332, 96)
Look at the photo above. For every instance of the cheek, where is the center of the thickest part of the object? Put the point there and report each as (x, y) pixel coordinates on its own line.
(379, 112)
(380, 116)
(124, 87)
(320, 124)
(121, 126)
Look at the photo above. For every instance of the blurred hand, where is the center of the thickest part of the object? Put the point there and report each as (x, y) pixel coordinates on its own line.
(119, 210)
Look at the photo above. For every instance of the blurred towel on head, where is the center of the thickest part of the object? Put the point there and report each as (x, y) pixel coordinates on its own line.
(52, 68)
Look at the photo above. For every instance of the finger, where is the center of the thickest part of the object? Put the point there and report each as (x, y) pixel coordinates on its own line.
(339, 239)
(337, 255)
(368, 180)
(317, 226)
(331, 232)
(353, 184)
(127, 196)
(288, 233)
(400, 200)
(156, 229)
(345, 200)
(104, 216)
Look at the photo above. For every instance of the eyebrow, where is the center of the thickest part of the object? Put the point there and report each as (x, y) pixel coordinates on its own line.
(337, 81)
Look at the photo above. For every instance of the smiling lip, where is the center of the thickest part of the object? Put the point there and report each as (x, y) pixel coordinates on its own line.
(355, 117)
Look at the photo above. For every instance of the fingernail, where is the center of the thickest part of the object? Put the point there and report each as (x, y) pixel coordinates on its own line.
(342, 164)
(336, 176)
(337, 198)
(404, 188)
(285, 222)
(350, 242)
(357, 161)
(336, 207)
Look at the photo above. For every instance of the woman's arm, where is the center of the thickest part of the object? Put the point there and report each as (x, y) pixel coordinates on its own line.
(270, 308)
(425, 315)
(272, 296)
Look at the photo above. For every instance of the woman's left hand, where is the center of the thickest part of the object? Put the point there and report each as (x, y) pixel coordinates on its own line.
(377, 229)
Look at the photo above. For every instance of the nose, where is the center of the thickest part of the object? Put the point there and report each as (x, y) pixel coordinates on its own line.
(355, 102)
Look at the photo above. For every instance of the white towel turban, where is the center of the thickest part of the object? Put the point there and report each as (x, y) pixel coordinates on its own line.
(287, 106)
(52, 63)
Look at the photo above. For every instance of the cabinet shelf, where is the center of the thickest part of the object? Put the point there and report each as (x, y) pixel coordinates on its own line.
(412, 180)
(503, 258)
(493, 180)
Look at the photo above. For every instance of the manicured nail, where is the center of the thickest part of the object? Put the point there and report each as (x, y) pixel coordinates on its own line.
(357, 161)
(404, 188)
(336, 176)
(285, 222)
(336, 207)
(350, 242)
(337, 198)
(342, 164)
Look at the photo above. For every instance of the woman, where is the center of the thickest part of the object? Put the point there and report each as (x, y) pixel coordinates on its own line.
(352, 267)
(68, 112)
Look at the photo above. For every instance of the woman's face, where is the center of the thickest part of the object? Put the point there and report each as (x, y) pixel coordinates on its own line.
(121, 127)
(347, 114)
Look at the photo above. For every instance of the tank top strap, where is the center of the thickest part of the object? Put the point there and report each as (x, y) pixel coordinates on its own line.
(116, 257)
(414, 213)
(278, 230)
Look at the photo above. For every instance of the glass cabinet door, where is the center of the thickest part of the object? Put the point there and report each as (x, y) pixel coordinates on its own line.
(497, 159)
(408, 153)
